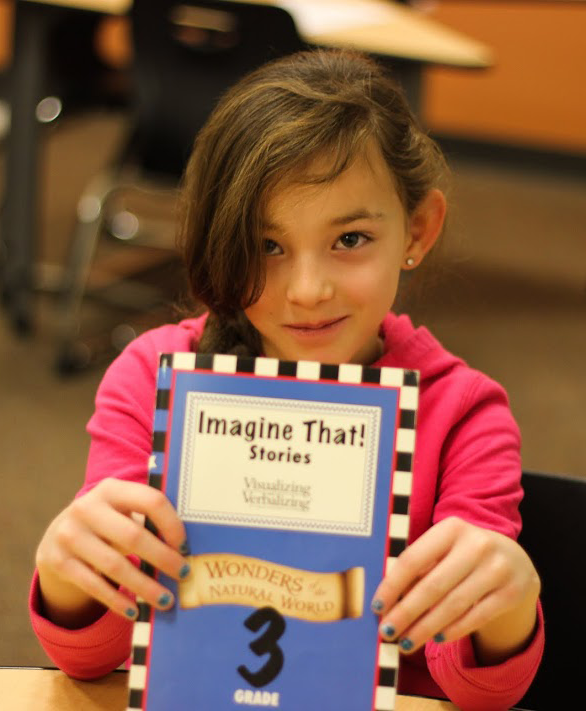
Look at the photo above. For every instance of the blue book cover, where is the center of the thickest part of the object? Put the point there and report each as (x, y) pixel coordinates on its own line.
(293, 480)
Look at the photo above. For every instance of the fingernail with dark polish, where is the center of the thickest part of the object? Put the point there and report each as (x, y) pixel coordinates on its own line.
(439, 638)
(185, 570)
(406, 644)
(164, 600)
(184, 548)
(377, 605)
(387, 630)
(131, 613)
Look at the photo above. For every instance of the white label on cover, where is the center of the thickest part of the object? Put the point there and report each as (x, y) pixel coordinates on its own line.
(278, 463)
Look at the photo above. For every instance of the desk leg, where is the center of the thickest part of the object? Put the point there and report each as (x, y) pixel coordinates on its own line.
(21, 204)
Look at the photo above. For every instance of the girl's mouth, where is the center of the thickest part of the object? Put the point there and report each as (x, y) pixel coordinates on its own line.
(308, 328)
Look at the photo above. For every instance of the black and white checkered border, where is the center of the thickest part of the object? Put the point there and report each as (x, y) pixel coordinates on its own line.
(137, 677)
(408, 383)
(407, 380)
(388, 652)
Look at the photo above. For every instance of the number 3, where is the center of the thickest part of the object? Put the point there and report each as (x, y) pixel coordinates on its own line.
(265, 644)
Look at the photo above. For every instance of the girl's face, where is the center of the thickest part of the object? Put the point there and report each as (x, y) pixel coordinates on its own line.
(334, 253)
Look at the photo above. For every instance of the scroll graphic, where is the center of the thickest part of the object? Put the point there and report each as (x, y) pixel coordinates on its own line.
(229, 579)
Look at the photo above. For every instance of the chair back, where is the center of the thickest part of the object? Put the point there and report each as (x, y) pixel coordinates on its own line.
(554, 536)
(186, 54)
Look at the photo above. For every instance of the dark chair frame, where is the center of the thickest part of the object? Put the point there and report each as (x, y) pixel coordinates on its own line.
(554, 536)
(41, 85)
(186, 54)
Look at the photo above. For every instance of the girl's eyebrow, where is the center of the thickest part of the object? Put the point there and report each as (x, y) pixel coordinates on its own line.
(360, 214)
(269, 226)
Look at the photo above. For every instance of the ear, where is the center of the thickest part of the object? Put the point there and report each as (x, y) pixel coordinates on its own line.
(424, 227)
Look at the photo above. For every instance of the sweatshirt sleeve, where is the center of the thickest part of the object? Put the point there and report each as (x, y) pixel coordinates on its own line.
(121, 443)
(471, 687)
(86, 653)
(480, 482)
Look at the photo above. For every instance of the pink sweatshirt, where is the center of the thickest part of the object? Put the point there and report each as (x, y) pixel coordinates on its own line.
(467, 464)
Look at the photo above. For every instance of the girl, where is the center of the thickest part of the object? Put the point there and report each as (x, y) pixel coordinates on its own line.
(308, 192)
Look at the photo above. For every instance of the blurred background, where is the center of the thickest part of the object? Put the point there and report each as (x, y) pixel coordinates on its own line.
(507, 291)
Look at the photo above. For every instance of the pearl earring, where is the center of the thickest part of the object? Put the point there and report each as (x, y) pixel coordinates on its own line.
(409, 261)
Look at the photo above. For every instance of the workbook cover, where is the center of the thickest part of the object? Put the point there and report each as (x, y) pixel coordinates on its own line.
(293, 480)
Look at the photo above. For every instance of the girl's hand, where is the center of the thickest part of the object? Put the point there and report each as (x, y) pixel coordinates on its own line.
(86, 546)
(458, 579)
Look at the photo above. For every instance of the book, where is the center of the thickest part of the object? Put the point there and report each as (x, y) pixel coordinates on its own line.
(293, 480)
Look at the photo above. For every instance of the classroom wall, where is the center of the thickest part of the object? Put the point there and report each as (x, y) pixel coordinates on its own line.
(6, 12)
(534, 95)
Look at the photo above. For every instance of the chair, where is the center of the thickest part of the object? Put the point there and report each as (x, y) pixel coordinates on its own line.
(554, 536)
(186, 54)
(41, 84)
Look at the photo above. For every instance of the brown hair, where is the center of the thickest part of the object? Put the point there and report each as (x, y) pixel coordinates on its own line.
(268, 127)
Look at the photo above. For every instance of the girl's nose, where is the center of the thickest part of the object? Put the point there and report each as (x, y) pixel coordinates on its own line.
(309, 284)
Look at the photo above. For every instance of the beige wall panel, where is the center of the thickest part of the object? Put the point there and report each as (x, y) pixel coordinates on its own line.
(535, 94)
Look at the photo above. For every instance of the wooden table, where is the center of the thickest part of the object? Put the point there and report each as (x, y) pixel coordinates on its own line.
(377, 26)
(49, 690)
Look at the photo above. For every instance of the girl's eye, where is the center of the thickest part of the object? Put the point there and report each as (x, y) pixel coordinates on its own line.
(271, 247)
(351, 240)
